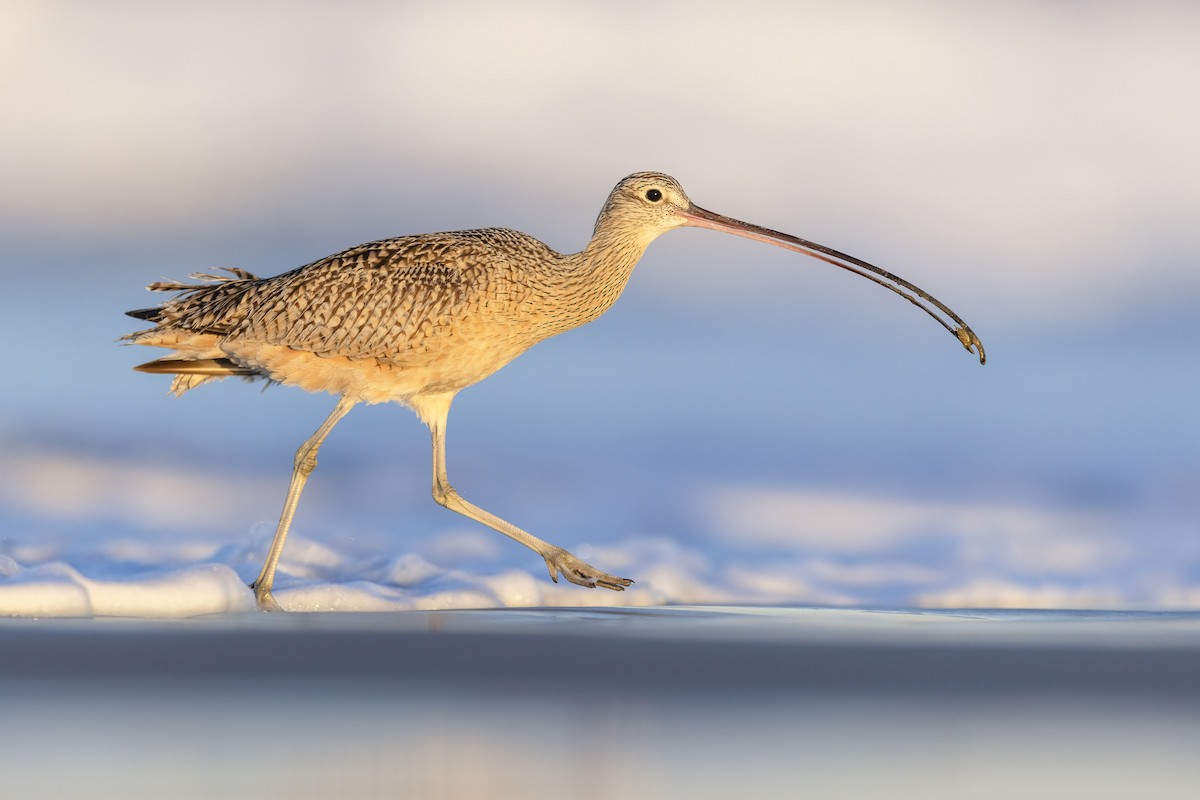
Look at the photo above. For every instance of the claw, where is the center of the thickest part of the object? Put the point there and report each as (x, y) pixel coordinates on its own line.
(617, 584)
(580, 573)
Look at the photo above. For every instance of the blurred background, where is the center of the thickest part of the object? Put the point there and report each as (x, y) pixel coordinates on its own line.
(746, 425)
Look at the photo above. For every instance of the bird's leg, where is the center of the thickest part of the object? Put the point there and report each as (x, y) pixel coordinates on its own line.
(306, 462)
(557, 560)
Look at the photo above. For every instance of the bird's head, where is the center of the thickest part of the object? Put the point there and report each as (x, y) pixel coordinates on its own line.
(645, 205)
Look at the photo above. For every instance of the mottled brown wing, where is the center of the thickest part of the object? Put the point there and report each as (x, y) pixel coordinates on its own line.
(381, 299)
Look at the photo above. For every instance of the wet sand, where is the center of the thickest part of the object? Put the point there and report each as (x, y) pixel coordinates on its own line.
(662, 702)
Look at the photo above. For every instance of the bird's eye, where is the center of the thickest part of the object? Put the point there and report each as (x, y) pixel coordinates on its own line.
(653, 195)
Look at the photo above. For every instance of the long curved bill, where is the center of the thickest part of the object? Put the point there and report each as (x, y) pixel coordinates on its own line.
(702, 218)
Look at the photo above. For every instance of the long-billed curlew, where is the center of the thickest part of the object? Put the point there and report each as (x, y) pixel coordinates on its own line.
(417, 318)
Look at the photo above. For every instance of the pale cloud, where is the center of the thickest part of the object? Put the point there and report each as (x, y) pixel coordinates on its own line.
(84, 487)
(870, 574)
(990, 592)
(1008, 535)
(997, 147)
(1176, 596)
(776, 584)
(455, 544)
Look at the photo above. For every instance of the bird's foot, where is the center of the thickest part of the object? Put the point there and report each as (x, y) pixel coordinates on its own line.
(581, 573)
(266, 601)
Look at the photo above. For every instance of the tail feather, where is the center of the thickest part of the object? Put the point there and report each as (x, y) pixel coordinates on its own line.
(207, 279)
(191, 373)
(191, 324)
(216, 287)
(213, 367)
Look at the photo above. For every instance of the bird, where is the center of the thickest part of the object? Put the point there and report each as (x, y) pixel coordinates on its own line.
(415, 319)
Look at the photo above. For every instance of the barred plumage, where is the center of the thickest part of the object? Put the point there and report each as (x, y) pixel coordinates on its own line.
(415, 319)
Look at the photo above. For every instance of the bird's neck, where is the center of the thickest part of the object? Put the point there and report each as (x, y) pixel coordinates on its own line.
(599, 272)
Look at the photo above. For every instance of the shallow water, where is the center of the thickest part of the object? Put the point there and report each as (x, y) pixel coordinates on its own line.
(667, 702)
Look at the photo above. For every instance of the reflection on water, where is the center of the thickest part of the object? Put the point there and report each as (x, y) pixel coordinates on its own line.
(696, 703)
(312, 739)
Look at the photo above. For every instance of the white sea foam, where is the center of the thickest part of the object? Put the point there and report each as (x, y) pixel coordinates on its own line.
(667, 572)
(116, 555)
(56, 589)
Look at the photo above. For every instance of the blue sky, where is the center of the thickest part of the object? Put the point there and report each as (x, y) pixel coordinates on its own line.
(746, 424)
